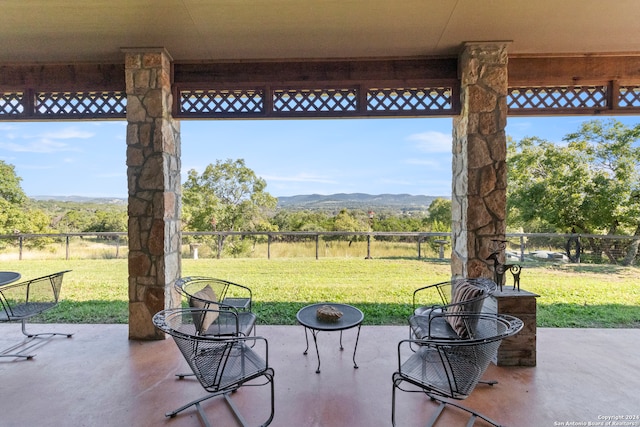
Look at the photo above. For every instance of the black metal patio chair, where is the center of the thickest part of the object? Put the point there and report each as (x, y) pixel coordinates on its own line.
(24, 300)
(222, 365)
(218, 294)
(447, 369)
(456, 296)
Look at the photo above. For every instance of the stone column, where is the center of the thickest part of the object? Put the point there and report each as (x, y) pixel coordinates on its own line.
(479, 159)
(153, 174)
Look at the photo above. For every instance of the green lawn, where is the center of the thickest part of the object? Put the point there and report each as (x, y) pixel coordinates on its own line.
(570, 295)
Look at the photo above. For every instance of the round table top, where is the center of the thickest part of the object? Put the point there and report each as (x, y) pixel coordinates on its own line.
(7, 277)
(351, 317)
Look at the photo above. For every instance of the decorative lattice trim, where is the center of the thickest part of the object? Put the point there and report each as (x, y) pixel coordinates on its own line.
(11, 103)
(315, 100)
(557, 97)
(214, 101)
(629, 97)
(93, 104)
(409, 99)
(319, 101)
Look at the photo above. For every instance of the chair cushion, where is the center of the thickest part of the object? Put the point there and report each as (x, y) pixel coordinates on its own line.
(431, 325)
(205, 299)
(464, 291)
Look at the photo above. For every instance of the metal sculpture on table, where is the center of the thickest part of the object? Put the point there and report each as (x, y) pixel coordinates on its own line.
(499, 269)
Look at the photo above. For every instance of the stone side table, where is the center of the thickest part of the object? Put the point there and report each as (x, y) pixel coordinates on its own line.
(518, 350)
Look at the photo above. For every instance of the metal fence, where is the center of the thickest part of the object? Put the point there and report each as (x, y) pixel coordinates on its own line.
(519, 247)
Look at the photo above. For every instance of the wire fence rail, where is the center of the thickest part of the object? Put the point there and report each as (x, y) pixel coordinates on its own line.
(518, 247)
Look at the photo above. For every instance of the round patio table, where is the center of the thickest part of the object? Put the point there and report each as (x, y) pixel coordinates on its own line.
(7, 277)
(351, 318)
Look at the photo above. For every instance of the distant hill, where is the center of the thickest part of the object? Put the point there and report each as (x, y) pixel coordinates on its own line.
(308, 201)
(356, 201)
(82, 199)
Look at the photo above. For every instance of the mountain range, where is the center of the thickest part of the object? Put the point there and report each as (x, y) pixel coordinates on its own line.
(355, 201)
(308, 201)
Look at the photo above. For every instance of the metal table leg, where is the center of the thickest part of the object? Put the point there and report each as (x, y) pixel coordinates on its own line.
(314, 333)
(355, 365)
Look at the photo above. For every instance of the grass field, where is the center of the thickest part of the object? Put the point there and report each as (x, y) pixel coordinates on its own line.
(570, 295)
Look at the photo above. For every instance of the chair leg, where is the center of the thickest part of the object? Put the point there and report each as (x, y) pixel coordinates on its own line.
(474, 414)
(397, 380)
(7, 352)
(24, 332)
(25, 356)
(227, 397)
(192, 403)
(28, 343)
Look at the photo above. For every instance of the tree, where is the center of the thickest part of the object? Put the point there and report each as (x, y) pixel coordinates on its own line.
(105, 221)
(15, 214)
(10, 190)
(589, 185)
(303, 220)
(228, 196)
(439, 212)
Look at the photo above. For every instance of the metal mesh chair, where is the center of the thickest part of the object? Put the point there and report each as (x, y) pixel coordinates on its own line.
(24, 300)
(222, 365)
(447, 369)
(456, 296)
(218, 294)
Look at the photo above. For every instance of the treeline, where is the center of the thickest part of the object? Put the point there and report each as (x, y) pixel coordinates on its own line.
(588, 185)
(83, 217)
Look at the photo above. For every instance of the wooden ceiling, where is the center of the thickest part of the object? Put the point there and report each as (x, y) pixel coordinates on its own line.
(67, 31)
(565, 57)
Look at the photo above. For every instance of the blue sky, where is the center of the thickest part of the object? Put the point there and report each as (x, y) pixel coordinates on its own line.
(372, 156)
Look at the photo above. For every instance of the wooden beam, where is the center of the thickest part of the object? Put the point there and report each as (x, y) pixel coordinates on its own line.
(436, 69)
(523, 71)
(63, 77)
(548, 71)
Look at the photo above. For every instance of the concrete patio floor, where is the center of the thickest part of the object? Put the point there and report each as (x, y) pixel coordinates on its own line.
(100, 378)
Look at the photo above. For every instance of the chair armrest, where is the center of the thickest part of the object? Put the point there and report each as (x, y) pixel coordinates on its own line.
(242, 302)
(405, 350)
(435, 286)
(257, 342)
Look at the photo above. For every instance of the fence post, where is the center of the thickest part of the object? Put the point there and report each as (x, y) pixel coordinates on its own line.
(317, 244)
(67, 248)
(419, 247)
(521, 248)
(20, 241)
(368, 247)
(117, 246)
(268, 246)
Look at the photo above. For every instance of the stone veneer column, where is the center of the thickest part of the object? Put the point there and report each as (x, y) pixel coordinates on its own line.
(479, 159)
(153, 173)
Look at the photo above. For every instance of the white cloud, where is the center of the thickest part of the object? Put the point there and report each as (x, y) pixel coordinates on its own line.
(7, 127)
(39, 146)
(403, 182)
(46, 142)
(68, 133)
(111, 175)
(432, 142)
(432, 163)
(35, 167)
(299, 178)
